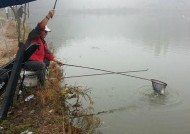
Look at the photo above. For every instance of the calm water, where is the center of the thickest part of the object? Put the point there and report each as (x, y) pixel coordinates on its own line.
(154, 36)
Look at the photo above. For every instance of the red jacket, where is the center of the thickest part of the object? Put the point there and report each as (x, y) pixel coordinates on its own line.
(42, 52)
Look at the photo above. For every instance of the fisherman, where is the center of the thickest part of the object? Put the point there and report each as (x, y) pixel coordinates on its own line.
(40, 59)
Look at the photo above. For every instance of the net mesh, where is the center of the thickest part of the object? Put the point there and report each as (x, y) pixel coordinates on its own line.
(158, 86)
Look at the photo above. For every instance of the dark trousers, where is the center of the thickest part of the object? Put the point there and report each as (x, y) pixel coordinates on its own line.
(38, 67)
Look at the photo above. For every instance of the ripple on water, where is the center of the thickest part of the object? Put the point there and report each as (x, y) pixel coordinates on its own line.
(146, 98)
(169, 99)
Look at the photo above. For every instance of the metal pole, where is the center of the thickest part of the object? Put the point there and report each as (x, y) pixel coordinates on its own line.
(107, 71)
(86, 75)
(12, 82)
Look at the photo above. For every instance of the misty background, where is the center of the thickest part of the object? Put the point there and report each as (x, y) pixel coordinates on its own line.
(122, 35)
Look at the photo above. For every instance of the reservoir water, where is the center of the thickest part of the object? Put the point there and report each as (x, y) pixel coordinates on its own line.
(138, 35)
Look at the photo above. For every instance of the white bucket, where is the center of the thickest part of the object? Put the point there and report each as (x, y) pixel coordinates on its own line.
(31, 78)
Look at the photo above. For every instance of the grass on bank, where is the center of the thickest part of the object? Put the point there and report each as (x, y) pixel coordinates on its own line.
(55, 109)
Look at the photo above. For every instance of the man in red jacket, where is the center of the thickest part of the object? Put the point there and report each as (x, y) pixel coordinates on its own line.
(41, 58)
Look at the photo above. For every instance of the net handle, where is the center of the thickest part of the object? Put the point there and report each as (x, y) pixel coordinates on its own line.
(103, 73)
(107, 71)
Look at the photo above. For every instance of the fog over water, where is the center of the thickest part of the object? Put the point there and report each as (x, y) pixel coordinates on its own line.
(91, 4)
(110, 4)
(121, 35)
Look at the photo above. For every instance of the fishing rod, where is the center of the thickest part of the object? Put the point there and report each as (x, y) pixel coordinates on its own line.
(86, 75)
(55, 4)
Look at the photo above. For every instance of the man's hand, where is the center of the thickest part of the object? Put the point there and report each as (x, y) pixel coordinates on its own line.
(58, 62)
(51, 13)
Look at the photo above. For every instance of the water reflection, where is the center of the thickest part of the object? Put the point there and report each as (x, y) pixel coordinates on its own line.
(156, 31)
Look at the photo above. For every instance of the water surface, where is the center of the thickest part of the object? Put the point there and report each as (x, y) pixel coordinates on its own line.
(154, 36)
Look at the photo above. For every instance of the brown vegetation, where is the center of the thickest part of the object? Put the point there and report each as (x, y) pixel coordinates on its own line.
(8, 40)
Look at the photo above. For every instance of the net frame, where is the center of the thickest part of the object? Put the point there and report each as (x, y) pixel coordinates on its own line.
(158, 86)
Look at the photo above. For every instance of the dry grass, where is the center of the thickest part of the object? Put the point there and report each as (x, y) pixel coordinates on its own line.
(9, 39)
(51, 92)
(8, 46)
(55, 109)
(67, 101)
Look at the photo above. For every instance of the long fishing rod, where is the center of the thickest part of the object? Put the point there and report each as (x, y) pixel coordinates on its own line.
(55, 4)
(86, 75)
(107, 71)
